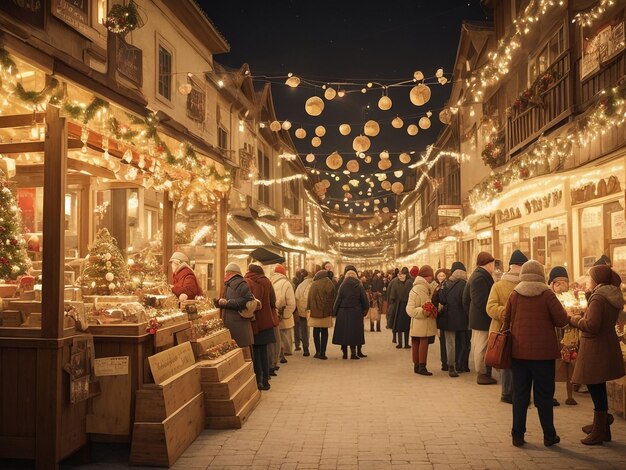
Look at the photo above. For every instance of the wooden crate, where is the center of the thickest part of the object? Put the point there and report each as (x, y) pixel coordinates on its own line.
(202, 344)
(232, 406)
(161, 444)
(216, 370)
(156, 402)
(10, 318)
(165, 335)
(119, 329)
(171, 362)
(616, 394)
(228, 387)
(237, 421)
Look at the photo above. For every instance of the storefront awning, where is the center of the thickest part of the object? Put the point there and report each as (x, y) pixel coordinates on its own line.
(266, 256)
(246, 231)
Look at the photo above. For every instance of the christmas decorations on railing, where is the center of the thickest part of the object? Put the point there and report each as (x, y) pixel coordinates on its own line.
(493, 154)
(123, 18)
(550, 153)
(14, 260)
(531, 96)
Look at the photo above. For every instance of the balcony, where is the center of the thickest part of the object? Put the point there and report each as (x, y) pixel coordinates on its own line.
(545, 110)
(609, 75)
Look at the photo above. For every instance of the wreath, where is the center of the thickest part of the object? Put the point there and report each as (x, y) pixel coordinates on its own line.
(122, 19)
(493, 152)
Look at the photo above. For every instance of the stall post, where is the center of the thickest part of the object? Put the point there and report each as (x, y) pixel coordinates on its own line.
(169, 217)
(221, 243)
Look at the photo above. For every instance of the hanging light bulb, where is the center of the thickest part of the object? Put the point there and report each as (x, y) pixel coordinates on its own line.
(128, 156)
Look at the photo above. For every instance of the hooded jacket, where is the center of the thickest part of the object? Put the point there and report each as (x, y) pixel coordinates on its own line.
(302, 297)
(496, 303)
(422, 325)
(599, 354)
(321, 296)
(262, 289)
(285, 300)
(185, 282)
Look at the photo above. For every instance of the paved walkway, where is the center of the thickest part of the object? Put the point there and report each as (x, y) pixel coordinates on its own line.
(376, 413)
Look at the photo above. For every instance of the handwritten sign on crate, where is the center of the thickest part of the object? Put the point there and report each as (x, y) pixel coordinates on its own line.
(168, 363)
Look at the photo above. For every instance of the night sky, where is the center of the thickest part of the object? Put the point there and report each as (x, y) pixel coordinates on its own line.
(347, 41)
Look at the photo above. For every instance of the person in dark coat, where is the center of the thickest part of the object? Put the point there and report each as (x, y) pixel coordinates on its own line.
(455, 321)
(398, 298)
(441, 275)
(351, 306)
(265, 320)
(475, 296)
(599, 355)
(236, 295)
(185, 285)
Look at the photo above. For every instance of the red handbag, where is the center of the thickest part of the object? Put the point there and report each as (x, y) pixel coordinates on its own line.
(499, 350)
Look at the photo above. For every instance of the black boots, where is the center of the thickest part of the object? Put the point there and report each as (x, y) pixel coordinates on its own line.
(452, 371)
(359, 352)
(344, 350)
(421, 370)
(353, 354)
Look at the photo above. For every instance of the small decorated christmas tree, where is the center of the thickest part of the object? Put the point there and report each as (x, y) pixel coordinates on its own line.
(14, 260)
(146, 272)
(105, 272)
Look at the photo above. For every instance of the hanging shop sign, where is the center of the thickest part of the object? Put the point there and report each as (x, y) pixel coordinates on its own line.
(601, 44)
(455, 211)
(28, 11)
(294, 224)
(129, 61)
(73, 12)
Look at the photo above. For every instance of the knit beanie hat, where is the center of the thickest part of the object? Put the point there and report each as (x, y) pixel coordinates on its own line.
(280, 269)
(426, 271)
(603, 274)
(458, 265)
(603, 260)
(182, 257)
(349, 268)
(484, 258)
(557, 272)
(233, 268)
(517, 257)
(532, 271)
(405, 271)
(414, 272)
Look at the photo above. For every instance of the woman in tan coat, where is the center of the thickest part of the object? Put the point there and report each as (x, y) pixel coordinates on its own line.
(599, 355)
(320, 303)
(423, 322)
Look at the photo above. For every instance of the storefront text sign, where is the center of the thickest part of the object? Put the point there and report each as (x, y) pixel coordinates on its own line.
(450, 211)
(106, 366)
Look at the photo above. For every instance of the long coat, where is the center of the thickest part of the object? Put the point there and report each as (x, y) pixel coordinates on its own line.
(285, 300)
(185, 282)
(302, 297)
(475, 297)
(422, 324)
(350, 307)
(454, 316)
(266, 318)
(599, 354)
(237, 293)
(535, 312)
(500, 293)
(398, 298)
(321, 300)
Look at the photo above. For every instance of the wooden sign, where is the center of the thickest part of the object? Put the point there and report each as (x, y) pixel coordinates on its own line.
(168, 363)
(129, 61)
(106, 366)
(27, 11)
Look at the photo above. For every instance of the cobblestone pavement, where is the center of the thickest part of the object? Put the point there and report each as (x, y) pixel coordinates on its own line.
(376, 413)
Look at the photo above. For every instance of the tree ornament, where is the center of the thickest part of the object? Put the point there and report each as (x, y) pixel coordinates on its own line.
(109, 277)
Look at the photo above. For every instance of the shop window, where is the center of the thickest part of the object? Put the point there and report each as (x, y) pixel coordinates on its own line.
(547, 55)
(222, 139)
(165, 72)
(602, 231)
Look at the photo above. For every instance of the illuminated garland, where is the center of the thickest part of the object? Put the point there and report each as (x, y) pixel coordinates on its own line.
(284, 179)
(587, 18)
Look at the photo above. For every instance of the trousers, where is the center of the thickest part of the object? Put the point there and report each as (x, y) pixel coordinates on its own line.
(480, 339)
(449, 340)
(260, 363)
(599, 396)
(538, 375)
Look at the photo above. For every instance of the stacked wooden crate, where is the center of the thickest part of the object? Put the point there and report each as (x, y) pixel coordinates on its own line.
(230, 390)
(169, 414)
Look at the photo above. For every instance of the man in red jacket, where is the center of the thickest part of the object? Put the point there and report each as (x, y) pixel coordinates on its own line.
(185, 285)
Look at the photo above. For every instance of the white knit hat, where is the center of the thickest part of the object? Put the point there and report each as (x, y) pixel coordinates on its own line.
(233, 268)
(182, 257)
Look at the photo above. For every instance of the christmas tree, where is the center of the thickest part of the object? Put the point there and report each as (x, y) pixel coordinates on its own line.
(13, 258)
(106, 272)
(146, 272)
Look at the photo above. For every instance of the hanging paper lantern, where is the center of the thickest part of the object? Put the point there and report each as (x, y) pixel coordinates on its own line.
(275, 126)
(347, 196)
(316, 141)
(442, 80)
(325, 183)
(352, 166)
(397, 187)
(405, 157)
(292, 81)
(314, 106)
(310, 158)
(361, 144)
(386, 210)
(384, 155)
(368, 159)
(385, 103)
(371, 128)
(286, 125)
(397, 122)
(424, 123)
(300, 133)
(419, 95)
(384, 164)
(346, 187)
(398, 173)
(345, 129)
(334, 161)
(445, 116)
(412, 129)
(320, 131)
(439, 73)
(330, 93)
(418, 75)
(386, 185)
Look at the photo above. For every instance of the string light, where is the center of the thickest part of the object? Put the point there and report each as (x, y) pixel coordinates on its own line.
(284, 179)
(590, 16)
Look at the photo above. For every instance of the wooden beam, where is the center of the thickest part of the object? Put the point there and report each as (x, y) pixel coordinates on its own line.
(34, 146)
(169, 222)
(55, 170)
(221, 242)
(20, 120)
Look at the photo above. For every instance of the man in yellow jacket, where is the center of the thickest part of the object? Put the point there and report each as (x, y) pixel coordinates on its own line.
(496, 305)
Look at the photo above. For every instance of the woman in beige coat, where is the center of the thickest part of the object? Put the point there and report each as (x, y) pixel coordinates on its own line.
(320, 303)
(599, 356)
(423, 324)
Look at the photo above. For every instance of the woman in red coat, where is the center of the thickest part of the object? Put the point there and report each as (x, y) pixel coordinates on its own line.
(185, 285)
(599, 355)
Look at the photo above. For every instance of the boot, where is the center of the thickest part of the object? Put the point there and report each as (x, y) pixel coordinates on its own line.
(485, 379)
(599, 431)
(416, 368)
(609, 420)
(359, 352)
(393, 339)
(353, 354)
(423, 371)
(344, 350)
(371, 326)
(406, 341)
(378, 326)
(452, 371)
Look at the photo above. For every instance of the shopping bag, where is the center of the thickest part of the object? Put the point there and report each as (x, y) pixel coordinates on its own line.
(498, 353)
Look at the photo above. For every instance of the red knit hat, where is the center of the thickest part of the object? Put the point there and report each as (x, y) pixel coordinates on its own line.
(414, 272)
(426, 271)
(280, 269)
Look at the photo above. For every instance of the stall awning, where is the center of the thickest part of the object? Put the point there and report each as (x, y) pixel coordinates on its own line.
(266, 256)
(248, 232)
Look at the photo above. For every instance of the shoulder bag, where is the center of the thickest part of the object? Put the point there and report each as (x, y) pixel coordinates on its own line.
(499, 350)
